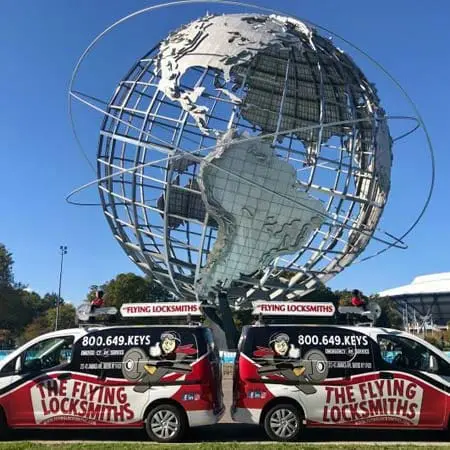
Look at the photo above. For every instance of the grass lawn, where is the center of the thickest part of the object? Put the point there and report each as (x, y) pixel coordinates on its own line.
(22, 445)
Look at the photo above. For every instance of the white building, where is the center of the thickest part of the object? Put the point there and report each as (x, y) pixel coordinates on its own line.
(426, 294)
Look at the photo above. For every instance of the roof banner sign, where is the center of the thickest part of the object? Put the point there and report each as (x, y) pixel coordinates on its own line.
(160, 309)
(275, 308)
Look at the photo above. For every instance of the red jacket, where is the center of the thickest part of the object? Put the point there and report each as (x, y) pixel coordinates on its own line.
(98, 302)
(357, 301)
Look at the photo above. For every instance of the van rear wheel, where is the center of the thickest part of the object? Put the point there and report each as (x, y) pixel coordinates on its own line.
(165, 423)
(283, 423)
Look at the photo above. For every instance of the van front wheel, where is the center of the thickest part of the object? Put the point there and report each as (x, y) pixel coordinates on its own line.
(283, 423)
(4, 429)
(165, 423)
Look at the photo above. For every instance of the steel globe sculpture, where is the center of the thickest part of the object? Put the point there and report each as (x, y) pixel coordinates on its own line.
(244, 155)
(260, 155)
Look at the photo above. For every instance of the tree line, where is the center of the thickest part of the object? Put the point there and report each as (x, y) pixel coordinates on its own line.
(25, 315)
(390, 316)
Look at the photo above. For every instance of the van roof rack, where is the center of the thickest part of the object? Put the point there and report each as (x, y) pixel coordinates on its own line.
(99, 318)
(350, 315)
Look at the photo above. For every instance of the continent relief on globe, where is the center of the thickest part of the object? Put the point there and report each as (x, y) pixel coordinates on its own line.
(222, 43)
(262, 214)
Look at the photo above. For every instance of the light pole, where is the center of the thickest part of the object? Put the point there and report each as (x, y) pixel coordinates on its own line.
(63, 251)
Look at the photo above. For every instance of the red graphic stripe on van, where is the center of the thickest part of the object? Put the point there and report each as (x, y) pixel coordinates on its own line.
(187, 349)
(261, 352)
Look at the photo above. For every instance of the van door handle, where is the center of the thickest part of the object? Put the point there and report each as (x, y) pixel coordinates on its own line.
(386, 375)
(64, 376)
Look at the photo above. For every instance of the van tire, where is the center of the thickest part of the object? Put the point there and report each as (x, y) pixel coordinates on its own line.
(4, 429)
(273, 423)
(165, 423)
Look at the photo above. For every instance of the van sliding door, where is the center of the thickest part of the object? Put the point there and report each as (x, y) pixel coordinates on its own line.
(414, 394)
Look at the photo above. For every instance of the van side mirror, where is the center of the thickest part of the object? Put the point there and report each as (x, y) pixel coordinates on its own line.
(32, 365)
(18, 365)
(433, 364)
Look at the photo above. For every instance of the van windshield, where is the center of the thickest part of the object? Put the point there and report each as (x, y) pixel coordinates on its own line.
(434, 349)
(50, 352)
(47, 348)
(401, 352)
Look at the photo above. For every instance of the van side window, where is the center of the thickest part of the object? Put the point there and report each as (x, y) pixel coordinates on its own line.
(47, 354)
(327, 352)
(117, 352)
(10, 368)
(400, 353)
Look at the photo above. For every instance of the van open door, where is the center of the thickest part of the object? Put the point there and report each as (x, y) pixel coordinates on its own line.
(216, 372)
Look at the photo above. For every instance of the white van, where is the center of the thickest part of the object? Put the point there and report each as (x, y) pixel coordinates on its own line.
(164, 378)
(290, 376)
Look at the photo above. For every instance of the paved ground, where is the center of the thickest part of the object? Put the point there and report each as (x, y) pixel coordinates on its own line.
(226, 430)
(227, 387)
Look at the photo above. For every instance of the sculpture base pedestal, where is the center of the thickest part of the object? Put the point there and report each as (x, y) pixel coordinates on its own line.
(223, 326)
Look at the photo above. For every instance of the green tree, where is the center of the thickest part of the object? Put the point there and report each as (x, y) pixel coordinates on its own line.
(12, 309)
(6, 340)
(49, 300)
(390, 316)
(18, 306)
(93, 290)
(344, 296)
(129, 288)
(66, 316)
(36, 305)
(45, 323)
(437, 341)
(6, 268)
(242, 317)
(321, 294)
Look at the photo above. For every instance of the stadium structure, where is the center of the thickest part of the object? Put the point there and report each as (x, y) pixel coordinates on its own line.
(425, 303)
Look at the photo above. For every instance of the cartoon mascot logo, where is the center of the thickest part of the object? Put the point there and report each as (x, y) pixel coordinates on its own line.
(166, 348)
(164, 362)
(279, 343)
(281, 358)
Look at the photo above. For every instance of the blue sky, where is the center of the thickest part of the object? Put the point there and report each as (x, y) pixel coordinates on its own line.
(40, 43)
